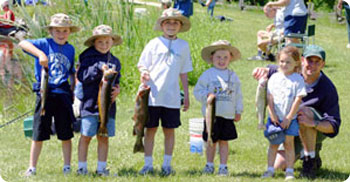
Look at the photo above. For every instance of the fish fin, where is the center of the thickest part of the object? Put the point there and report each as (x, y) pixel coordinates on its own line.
(138, 147)
(42, 113)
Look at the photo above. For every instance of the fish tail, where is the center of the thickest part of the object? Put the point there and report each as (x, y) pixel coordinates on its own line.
(102, 131)
(138, 147)
(42, 113)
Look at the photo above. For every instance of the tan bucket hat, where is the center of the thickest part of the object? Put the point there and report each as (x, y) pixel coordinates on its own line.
(208, 51)
(100, 31)
(62, 20)
(172, 13)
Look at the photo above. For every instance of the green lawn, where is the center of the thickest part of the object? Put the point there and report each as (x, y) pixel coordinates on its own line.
(247, 156)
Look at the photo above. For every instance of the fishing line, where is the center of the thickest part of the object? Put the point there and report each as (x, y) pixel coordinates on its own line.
(16, 119)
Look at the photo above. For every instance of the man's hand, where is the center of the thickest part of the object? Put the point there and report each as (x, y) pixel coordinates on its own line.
(306, 117)
(260, 72)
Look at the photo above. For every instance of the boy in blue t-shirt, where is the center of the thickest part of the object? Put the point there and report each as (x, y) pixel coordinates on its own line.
(56, 55)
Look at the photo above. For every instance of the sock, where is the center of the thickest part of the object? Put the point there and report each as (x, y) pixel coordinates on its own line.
(167, 160)
(259, 53)
(32, 168)
(312, 154)
(82, 165)
(270, 168)
(149, 161)
(210, 164)
(66, 166)
(101, 165)
(289, 170)
(222, 166)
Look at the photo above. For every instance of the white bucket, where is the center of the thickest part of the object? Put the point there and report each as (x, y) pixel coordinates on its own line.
(196, 129)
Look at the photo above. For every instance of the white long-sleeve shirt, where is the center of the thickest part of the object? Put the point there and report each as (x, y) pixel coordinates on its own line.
(226, 86)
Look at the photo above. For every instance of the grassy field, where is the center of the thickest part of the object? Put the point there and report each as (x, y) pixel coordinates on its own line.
(247, 156)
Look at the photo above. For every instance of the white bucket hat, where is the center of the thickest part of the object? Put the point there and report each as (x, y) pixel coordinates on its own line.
(4, 3)
(62, 20)
(100, 31)
(172, 13)
(208, 51)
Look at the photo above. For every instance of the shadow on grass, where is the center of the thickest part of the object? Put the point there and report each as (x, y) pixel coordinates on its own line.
(328, 174)
(193, 172)
(247, 174)
(127, 172)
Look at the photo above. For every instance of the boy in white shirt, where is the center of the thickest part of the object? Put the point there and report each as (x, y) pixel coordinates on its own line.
(163, 61)
(225, 84)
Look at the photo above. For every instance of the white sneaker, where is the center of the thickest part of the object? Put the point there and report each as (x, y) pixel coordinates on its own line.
(268, 174)
(30, 172)
(208, 169)
(167, 170)
(103, 172)
(146, 170)
(348, 46)
(82, 171)
(66, 170)
(289, 176)
(223, 171)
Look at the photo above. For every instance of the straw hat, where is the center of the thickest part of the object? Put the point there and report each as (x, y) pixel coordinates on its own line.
(100, 31)
(208, 51)
(172, 13)
(62, 20)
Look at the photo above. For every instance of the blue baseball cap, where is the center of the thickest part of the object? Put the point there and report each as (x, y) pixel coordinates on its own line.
(275, 134)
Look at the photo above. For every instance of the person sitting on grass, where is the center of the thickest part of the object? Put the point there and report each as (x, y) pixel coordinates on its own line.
(225, 84)
(6, 19)
(270, 37)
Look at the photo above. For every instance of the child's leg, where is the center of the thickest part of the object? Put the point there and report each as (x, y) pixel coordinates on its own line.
(223, 149)
(67, 151)
(169, 142)
(211, 152)
(271, 155)
(83, 148)
(149, 143)
(289, 150)
(34, 153)
(102, 152)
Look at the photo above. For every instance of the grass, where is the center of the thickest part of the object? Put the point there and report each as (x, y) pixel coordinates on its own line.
(247, 158)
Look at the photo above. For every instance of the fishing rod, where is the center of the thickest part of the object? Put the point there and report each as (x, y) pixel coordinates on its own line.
(15, 119)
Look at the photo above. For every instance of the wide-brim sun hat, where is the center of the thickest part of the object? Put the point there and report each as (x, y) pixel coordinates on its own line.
(102, 31)
(62, 20)
(208, 51)
(175, 14)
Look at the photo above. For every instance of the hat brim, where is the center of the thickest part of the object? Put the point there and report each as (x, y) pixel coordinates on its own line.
(73, 29)
(314, 54)
(186, 24)
(207, 52)
(117, 40)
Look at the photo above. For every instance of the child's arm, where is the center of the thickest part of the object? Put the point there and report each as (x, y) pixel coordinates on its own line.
(237, 117)
(30, 48)
(184, 80)
(279, 3)
(270, 106)
(200, 90)
(293, 111)
(239, 101)
(89, 72)
(145, 77)
(208, 2)
(270, 27)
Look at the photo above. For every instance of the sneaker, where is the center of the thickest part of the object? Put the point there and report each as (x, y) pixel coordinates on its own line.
(208, 169)
(82, 171)
(348, 46)
(103, 172)
(289, 176)
(223, 171)
(268, 174)
(309, 168)
(270, 57)
(318, 162)
(30, 172)
(66, 170)
(146, 170)
(256, 58)
(167, 170)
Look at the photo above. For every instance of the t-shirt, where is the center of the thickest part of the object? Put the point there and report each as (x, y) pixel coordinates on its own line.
(284, 89)
(8, 14)
(279, 21)
(166, 60)
(226, 86)
(184, 6)
(296, 8)
(61, 62)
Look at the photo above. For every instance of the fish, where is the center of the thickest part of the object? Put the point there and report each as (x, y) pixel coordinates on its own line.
(141, 117)
(44, 89)
(261, 102)
(104, 100)
(210, 117)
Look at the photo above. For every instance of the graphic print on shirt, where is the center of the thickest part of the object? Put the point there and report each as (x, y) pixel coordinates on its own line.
(222, 91)
(59, 66)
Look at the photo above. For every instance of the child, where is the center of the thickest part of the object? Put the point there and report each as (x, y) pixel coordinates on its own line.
(57, 55)
(93, 62)
(225, 84)
(162, 62)
(6, 18)
(285, 91)
(165, 4)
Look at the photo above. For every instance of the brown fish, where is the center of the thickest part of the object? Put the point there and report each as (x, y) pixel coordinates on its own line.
(104, 100)
(44, 88)
(261, 103)
(141, 116)
(210, 117)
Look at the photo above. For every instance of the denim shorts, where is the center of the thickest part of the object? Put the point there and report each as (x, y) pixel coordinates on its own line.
(293, 129)
(90, 125)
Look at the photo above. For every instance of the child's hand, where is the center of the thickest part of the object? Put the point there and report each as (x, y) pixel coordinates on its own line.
(115, 92)
(186, 103)
(260, 72)
(237, 117)
(285, 123)
(43, 61)
(104, 67)
(145, 77)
